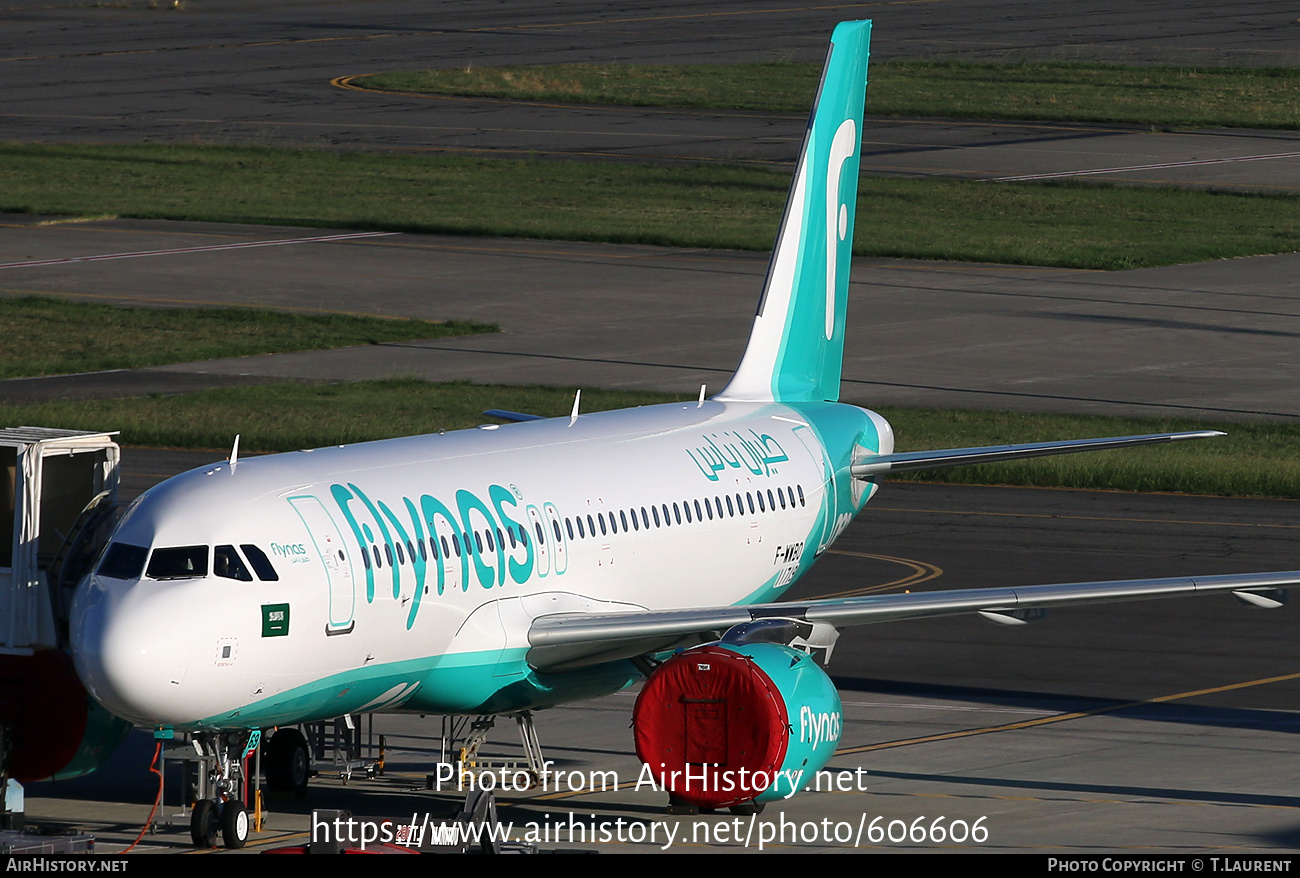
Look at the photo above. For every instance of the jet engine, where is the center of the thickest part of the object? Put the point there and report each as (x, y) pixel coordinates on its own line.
(55, 730)
(729, 723)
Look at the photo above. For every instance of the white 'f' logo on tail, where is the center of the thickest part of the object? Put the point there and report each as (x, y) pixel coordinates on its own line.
(843, 145)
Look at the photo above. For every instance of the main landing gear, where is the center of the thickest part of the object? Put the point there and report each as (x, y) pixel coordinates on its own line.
(221, 787)
(288, 763)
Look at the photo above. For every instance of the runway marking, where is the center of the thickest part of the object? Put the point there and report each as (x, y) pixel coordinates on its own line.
(1089, 518)
(1064, 717)
(1155, 167)
(921, 572)
(204, 249)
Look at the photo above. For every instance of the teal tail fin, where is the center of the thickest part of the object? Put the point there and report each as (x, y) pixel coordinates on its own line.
(796, 348)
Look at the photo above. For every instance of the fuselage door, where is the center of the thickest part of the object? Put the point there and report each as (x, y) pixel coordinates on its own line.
(541, 547)
(557, 531)
(826, 486)
(335, 558)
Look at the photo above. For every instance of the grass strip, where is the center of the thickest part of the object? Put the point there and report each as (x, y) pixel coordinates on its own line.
(1252, 460)
(1208, 97)
(45, 336)
(1072, 225)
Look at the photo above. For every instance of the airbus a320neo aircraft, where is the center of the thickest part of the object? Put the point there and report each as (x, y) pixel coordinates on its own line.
(514, 567)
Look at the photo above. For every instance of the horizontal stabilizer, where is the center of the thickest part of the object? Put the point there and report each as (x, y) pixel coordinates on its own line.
(880, 464)
(561, 640)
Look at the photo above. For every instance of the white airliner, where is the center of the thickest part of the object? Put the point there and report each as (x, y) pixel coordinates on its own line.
(514, 567)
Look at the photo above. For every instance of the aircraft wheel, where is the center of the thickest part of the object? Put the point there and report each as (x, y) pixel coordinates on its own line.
(234, 825)
(204, 824)
(288, 765)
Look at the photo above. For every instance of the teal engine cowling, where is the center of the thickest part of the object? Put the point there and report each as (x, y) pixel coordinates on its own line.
(725, 724)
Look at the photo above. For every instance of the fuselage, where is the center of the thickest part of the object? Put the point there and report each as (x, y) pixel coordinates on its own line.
(405, 574)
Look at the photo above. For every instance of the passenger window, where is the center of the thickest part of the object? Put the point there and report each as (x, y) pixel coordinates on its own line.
(667, 521)
(227, 563)
(478, 542)
(581, 533)
(123, 561)
(622, 517)
(185, 562)
(645, 519)
(568, 525)
(800, 487)
(401, 559)
(541, 537)
(761, 507)
(555, 525)
(655, 510)
(686, 505)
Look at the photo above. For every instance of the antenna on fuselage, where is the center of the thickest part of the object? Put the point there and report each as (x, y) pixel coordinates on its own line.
(577, 398)
(234, 455)
(703, 387)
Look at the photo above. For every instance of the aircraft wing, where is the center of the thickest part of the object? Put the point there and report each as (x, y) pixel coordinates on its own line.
(879, 464)
(570, 640)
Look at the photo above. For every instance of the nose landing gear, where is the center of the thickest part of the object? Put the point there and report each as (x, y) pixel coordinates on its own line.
(221, 788)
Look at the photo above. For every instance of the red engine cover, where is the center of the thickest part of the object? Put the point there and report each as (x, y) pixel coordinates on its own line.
(712, 726)
(45, 706)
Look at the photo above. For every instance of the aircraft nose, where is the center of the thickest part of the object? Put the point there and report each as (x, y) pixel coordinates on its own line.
(127, 654)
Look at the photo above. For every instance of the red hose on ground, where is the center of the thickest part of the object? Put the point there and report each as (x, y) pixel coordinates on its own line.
(153, 766)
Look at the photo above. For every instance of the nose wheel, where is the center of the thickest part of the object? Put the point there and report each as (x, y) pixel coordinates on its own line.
(221, 787)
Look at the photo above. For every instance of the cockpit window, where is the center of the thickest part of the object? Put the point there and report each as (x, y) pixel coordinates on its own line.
(261, 564)
(123, 561)
(227, 563)
(180, 563)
